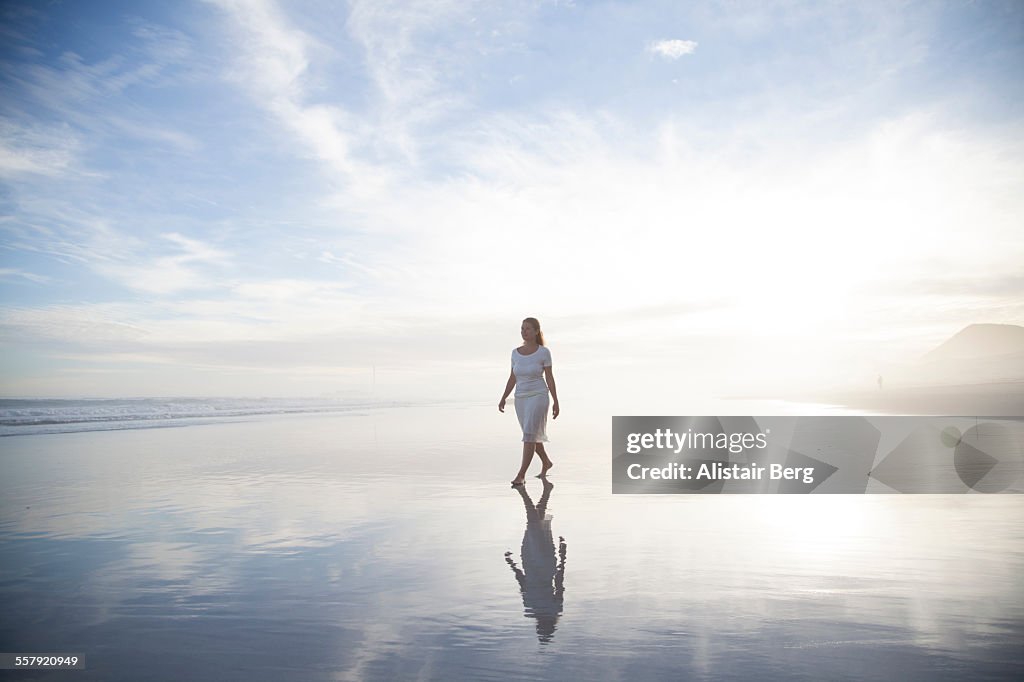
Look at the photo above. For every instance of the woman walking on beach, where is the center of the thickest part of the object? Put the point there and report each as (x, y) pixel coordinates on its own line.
(529, 362)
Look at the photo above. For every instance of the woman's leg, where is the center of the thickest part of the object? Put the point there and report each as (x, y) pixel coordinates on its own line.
(528, 449)
(546, 462)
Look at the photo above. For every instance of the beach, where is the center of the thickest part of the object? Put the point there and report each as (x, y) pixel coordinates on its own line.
(386, 543)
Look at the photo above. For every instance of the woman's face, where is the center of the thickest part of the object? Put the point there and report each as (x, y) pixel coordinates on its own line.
(528, 332)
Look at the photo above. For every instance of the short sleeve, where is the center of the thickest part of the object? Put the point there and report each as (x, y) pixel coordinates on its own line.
(547, 357)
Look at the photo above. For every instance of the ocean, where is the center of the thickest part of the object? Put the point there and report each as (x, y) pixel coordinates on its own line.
(29, 416)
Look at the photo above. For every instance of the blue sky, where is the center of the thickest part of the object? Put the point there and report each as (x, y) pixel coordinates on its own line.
(259, 198)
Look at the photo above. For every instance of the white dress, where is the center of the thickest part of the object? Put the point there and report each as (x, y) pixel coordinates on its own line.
(532, 393)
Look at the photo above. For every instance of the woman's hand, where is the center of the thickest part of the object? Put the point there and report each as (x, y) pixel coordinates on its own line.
(554, 410)
(501, 406)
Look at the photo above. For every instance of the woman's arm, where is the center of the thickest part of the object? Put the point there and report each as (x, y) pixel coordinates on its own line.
(520, 576)
(554, 392)
(560, 570)
(508, 389)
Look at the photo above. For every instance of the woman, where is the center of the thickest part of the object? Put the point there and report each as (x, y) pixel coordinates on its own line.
(529, 362)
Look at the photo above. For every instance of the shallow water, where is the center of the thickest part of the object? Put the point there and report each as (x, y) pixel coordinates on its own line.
(386, 545)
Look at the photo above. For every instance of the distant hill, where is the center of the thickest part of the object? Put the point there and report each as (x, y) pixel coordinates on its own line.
(978, 353)
(979, 341)
(979, 370)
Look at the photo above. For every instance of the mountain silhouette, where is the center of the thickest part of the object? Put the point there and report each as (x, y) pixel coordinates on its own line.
(977, 371)
(981, 341)
(978, 353)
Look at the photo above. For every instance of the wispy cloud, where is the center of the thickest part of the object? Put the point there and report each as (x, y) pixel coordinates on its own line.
(672, 49)
(183, 270)
(377, 272)
(88, 96)
(409, 55)
(84, 326)
(15, 274)
(35, 149)
(73, 85)
(272, 63)
(150, 131)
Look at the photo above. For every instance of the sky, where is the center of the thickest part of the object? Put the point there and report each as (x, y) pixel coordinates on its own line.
(252, 198)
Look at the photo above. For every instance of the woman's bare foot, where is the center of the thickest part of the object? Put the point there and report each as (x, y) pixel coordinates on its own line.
(544, 469)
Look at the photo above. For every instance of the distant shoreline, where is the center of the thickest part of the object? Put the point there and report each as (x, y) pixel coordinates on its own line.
(1001, 399)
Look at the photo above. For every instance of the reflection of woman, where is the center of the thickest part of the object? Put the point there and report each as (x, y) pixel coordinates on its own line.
(541, 578)
(529, 362)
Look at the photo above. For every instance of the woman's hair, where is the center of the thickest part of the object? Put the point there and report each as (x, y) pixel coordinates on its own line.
(536, 326)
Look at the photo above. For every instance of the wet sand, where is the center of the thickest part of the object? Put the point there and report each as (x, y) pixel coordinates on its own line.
(385, 545)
